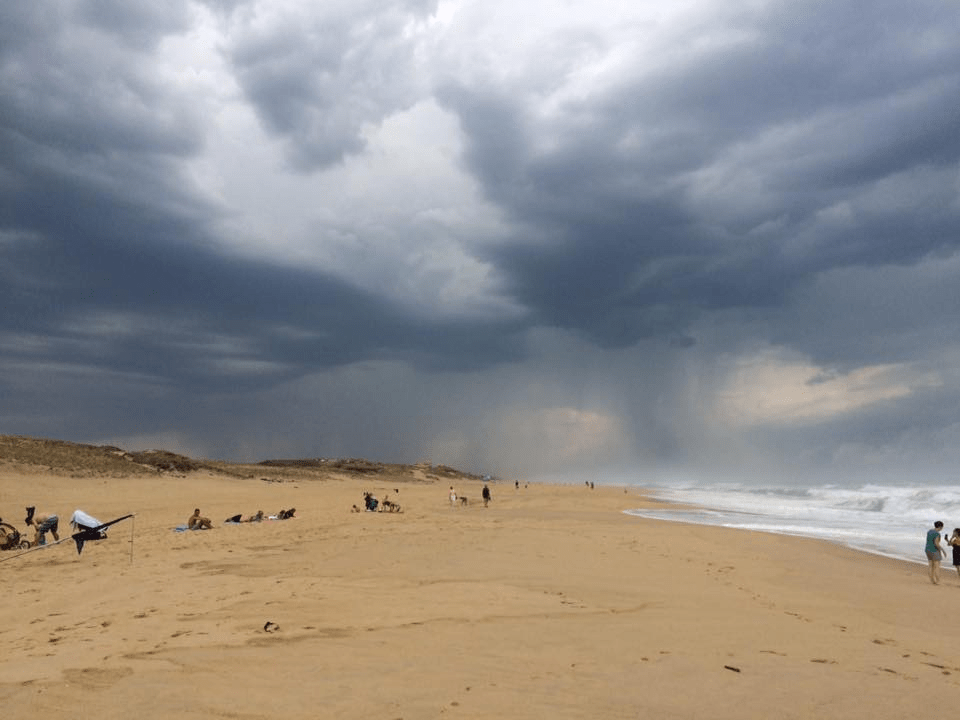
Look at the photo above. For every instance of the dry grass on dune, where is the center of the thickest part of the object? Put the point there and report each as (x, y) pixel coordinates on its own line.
(60, 457)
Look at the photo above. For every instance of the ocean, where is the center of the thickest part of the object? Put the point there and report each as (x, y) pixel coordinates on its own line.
(882, 519)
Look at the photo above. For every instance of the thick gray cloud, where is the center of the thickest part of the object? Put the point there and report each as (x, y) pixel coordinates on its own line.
(731, 178)
(532, 239)
(315, 78)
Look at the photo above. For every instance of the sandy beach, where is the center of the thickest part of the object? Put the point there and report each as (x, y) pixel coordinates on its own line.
(549, 603)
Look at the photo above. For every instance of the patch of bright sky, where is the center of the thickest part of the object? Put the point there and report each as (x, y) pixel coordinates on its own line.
(772, 388)
(401, 218)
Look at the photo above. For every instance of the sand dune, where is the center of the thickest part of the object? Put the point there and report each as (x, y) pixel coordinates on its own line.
(549, 603)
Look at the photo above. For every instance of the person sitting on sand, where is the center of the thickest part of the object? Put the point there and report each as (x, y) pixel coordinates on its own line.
(42, 523)
(286, 514)
(198, 522)
(934, 551)
(370, 502)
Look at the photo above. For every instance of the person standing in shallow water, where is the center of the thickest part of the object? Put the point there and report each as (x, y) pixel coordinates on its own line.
(934, 551)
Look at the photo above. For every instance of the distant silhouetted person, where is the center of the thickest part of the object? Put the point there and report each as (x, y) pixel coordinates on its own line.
(486, 495)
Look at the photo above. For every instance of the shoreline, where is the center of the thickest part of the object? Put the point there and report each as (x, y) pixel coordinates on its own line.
(870, 532)
(838, 543)
(551, 602)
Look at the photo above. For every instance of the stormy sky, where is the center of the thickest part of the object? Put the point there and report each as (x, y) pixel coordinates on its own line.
(649, 240)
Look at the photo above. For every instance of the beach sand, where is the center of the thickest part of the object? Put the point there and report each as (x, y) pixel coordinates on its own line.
(551, 603)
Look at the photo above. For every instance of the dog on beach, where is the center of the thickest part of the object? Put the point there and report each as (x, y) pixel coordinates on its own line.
(390, 506)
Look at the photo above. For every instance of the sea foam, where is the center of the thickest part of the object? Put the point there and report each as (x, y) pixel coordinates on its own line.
(881, 519)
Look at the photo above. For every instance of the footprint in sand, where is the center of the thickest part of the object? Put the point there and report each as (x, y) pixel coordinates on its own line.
(92, 678)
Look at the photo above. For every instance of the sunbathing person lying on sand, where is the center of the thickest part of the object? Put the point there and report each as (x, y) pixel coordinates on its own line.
(239, 518)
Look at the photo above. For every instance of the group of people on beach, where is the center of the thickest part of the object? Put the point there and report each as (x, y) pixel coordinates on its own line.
(936, 552)
(48, 522)
(372, 504)
(200, 522)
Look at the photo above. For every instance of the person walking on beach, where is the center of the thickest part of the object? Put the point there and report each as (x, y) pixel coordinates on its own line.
(934, 551)
(453, 497)
(486, 495)
(42, 523)
(955, 544)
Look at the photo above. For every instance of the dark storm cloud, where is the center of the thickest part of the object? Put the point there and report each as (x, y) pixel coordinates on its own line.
(619, 237)
(137, 23)
(316, 80)
(197, 318)
(773, 176)
(850, 315)
(69, 92)
(108, 249)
